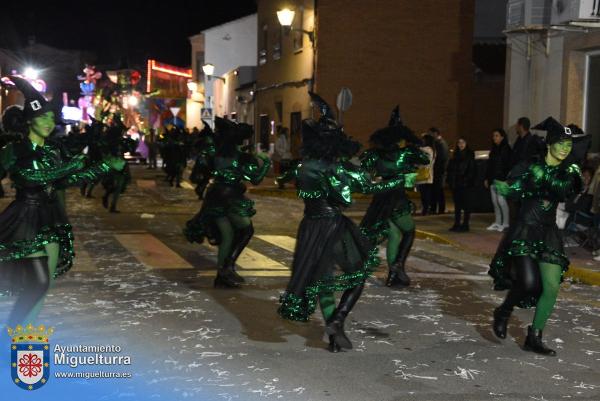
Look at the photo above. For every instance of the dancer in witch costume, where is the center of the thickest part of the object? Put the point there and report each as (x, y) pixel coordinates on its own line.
(326, 238)
(389, 214)
(224, 218)
(36, 239)
(530, 260)
(116, 145)
(201, 172)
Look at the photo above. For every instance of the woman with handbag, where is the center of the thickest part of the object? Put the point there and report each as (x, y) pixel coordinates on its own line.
(424, 178)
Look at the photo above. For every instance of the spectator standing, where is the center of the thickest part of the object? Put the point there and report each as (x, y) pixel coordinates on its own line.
(438, 199)
(424, 178)
(498, 167)
(461, 175)
(526, 149)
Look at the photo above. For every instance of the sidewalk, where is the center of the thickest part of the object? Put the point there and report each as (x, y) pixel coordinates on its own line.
(478, 241)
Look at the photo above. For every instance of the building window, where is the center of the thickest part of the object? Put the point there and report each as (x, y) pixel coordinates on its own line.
(298, 25)
(262, 53)
(277, 44)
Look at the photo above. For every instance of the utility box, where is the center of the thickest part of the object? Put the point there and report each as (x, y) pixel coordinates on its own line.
(573, 11)
(528, 14)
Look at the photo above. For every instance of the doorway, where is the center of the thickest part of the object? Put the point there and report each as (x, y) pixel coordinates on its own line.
(591, 116)
(265, 130)
(295, 133)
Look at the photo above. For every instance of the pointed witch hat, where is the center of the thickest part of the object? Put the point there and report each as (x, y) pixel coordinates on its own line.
(555, 131)
(35, 104)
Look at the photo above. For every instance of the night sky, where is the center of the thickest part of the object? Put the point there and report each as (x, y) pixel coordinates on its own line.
(117, 31)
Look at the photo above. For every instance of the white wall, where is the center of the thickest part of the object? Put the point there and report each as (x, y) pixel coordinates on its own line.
(229, 46)
(534, 78)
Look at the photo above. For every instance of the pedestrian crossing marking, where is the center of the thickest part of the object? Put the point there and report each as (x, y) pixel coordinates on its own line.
(185, 184)
(250, 273)
(252, 260)
(282, 241)
(152, 252)
(446, 276)
(146, 184)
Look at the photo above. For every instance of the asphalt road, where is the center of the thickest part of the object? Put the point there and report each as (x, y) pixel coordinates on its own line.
(138, 283)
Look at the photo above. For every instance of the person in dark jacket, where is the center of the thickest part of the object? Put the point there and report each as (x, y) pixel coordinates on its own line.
(438, 200)
(498, 167)
(461, 175)
(528, 147)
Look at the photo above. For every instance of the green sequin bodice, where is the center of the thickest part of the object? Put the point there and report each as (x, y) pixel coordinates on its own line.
(318, 179)
(241, 167)
(391, 163)
(41, 167)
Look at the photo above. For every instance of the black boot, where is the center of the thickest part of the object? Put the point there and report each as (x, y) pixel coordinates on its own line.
(463, 228)
(105, 200)
(242, 238)
(501, 316)
(335, 326)
(225, 278)
(397, 275)
(534, 343)
(333, 346)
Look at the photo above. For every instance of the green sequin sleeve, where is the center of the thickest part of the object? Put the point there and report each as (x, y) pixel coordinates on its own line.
(565, 183)
(89, 174)
(49, 174)
(410, 158)
(368, 159)
(345, 181)
(520, 187)
(255, 174)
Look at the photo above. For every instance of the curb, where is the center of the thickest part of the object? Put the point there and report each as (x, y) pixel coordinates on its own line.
(580, 274)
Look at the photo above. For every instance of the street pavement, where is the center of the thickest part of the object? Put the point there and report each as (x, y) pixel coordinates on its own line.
(137, 282)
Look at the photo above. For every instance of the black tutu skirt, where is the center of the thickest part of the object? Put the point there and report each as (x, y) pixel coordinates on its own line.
(331, 255)
(30, 222)
(221, 200)
(536, 235)
(385, 205)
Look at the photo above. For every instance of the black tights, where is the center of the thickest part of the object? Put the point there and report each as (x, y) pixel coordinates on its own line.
(35, 283)
(526, 279)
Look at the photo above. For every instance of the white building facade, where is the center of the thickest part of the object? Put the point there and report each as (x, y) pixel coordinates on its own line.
(231, 48)
(553, 63)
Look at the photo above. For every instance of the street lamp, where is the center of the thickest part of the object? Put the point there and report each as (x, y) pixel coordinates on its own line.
(286, 17)
(192, 86)
(209, 70)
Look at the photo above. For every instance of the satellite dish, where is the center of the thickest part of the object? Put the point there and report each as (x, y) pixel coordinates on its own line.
(343, 103)
(344, 99)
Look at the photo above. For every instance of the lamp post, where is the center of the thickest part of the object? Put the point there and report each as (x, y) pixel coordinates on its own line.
(209, 70)
(286, 18)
